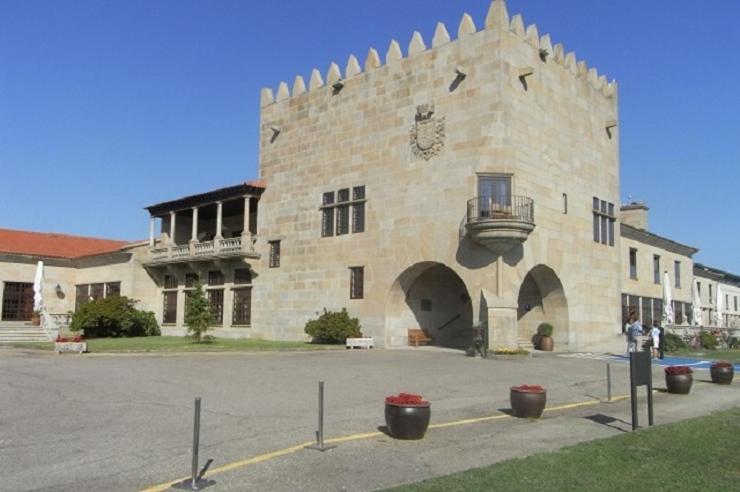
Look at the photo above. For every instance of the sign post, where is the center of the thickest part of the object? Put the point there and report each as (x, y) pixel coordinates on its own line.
(641, 374)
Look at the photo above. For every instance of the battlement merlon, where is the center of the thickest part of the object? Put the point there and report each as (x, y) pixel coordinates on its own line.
(497, 20)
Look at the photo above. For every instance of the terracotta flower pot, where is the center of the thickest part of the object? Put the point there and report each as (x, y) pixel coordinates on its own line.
(722, 374)
(679, 383)
(407, 421)
(546, 343)
(527, 404)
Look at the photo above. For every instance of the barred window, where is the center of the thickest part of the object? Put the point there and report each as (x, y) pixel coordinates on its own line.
(169, 307)
(274, 254)
(112, 289)
(242, 276)
(356, 282)
(242, 314)
(342, 220)
(170, 282)
(216, 302)
(604, 219)
(215, 277)
(191, 279)
(97, 291)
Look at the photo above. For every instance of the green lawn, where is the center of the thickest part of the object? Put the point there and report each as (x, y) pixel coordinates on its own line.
(699, 454)
(732, 355)
(182, 344)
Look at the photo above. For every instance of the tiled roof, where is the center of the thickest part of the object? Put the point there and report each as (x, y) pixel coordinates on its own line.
(256, 187)
(53, 245)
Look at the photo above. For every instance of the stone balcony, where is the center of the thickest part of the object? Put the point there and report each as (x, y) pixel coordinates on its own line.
(500, 223)
(219, 248)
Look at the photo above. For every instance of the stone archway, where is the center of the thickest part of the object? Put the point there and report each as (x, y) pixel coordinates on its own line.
(432, 297)
(542, 299)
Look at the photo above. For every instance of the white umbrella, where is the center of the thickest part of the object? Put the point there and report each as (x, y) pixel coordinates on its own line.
(667, 301)
(38, 283)
(697, 305)
(720, 307)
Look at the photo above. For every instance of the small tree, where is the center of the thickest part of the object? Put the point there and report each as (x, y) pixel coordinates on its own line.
(333, 327)
(197, 313)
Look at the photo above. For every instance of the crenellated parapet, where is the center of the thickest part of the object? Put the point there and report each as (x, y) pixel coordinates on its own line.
(497, 18)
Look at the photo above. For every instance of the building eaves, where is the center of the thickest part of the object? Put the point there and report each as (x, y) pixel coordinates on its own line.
(655, 240)
(256, 187)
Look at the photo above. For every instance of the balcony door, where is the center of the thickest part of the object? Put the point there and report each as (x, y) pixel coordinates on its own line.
(494, 192)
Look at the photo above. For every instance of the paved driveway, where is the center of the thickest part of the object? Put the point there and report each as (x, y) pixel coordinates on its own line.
(97, 422)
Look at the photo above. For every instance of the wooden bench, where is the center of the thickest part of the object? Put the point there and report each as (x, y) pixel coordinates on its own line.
(417, 336)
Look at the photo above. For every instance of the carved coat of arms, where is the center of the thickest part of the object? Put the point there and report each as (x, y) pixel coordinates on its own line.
(427, 133)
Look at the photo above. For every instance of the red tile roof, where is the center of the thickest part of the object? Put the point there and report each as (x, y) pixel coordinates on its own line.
(52, 245)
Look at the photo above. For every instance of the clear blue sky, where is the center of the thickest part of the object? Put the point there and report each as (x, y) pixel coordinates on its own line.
(109, 106)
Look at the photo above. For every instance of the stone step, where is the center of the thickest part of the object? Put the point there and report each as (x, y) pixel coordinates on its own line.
(22, 334)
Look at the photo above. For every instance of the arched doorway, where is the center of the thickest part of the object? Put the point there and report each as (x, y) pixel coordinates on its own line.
(542, 300)
(432, 297)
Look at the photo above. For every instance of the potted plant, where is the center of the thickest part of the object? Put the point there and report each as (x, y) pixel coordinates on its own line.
(678, 379)
(722, 372)
(407, 416)
(527, 401)
(544, 337)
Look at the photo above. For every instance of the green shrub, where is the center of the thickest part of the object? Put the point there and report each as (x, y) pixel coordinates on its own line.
(708, 341)
(674, 343)
(198, 314)
(544, 330)
(113, 316)
(333, 327)
(733, 342)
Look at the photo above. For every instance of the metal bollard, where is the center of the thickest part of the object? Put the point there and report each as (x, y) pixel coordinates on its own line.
(196, 442)
(320, 446)
(608, 383)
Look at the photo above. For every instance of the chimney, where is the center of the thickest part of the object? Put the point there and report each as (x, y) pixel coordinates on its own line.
(635, 214)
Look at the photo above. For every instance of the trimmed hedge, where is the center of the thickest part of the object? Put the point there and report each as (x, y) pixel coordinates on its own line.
(674, 343)
(114, 316)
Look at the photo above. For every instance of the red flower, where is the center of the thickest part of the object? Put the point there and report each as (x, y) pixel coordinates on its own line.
(678, 370)
(529, 388)
(722, 363)
(406, 399)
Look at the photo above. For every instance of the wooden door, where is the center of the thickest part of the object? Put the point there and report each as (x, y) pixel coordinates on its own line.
(17, 301)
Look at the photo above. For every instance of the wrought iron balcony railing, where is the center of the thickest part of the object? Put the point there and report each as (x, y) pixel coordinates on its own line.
(505, 207)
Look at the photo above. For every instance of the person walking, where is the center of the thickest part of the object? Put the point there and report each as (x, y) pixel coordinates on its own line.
(635, 331)
(655, 336)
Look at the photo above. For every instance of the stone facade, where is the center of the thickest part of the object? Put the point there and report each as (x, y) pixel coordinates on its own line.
(512, 105)
(719, 292)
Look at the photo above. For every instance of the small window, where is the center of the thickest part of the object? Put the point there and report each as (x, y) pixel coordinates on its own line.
(328, 198)
(565, 203)
(215, 277)
(358, 217)
(112, 289)
(633, 263)
(327, 222)
(274, 254)
(170, 282)
(242, 276)
(656, 269)
(343, 195)
(191, 279)
(356, 282)
(677, 274)
(358, 193)
(97, 291)
(342, 220)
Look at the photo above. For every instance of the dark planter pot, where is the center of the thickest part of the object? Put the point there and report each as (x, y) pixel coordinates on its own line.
(546, 343)
(526, 404)
(407, 421)
(722, 375)
(679, 383)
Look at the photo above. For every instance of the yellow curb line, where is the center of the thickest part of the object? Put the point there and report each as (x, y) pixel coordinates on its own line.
(356, 437)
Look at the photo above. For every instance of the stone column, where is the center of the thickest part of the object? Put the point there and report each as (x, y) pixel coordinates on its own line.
(173, 217)
(247, 214)
(194, 235)
(152, 223)
(503, 327)
(219, 218)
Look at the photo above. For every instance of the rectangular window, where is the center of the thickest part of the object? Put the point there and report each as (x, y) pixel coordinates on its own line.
(327, 222)
(328, 198)
(112, 289)
(735, 303)
(82, 295)
(677, 274)
(343, 195)
(604, 219)
(356, 282)
(242, 276)
(97, 291)
(169, 308)
(678, 312)
(658, 309)
(358, 217)
(216, 302)
(342, 220)
(647, 312)
(710, 293)
(358, 193)
(242, 314)
(633, 263)
(170, 282)
(191, 279)
(656, 269)
(274, 254)
(215, 277)
(565, 203)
